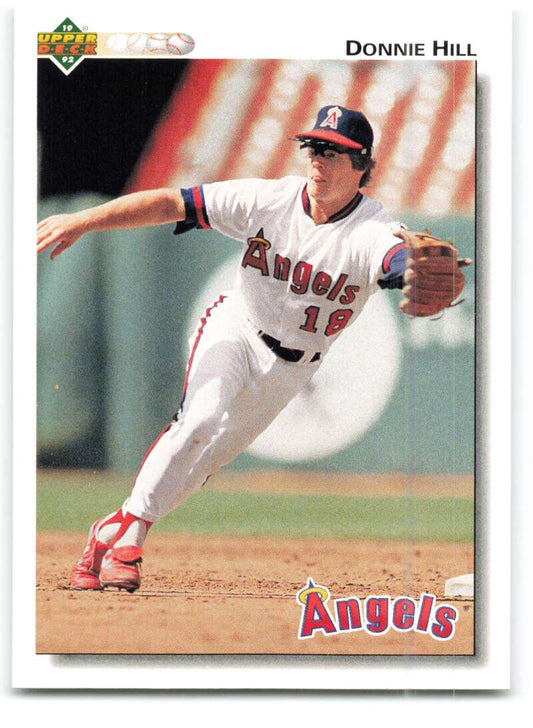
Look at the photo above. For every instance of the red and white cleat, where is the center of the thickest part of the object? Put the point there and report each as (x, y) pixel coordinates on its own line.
(121, 568)
(86, 571)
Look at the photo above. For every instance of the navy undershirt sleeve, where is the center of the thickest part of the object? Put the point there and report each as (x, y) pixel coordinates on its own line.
(195, 212)
(396, 267)
(394, 276)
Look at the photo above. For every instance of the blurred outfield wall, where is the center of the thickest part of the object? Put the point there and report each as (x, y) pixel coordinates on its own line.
(112, 319)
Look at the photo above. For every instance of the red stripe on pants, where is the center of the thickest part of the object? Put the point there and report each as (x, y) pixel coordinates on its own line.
(164, 431)
(203, 322)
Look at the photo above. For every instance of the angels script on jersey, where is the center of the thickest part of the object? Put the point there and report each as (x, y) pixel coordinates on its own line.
(303, 277)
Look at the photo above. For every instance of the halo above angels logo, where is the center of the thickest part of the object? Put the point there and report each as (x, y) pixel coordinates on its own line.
(66, 45)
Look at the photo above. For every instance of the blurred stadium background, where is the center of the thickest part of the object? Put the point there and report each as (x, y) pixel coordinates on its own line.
(115, 311)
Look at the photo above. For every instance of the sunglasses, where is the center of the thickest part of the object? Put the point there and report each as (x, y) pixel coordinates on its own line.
(323, 149)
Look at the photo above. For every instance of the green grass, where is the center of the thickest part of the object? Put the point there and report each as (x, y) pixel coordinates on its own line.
(68, 506)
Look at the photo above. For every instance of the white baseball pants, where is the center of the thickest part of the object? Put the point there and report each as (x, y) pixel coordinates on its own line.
(234, 387)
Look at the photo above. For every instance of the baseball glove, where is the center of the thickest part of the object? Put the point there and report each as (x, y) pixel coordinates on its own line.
(433, 278)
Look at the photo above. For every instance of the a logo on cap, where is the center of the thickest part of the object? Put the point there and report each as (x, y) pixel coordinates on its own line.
(332, 118)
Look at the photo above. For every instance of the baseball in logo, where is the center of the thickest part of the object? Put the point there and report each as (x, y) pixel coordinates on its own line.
(164, 45)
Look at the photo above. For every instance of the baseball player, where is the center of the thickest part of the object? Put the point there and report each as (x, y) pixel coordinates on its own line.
(314, 249)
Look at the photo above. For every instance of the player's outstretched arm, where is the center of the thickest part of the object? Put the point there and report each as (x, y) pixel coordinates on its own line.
(151, 207)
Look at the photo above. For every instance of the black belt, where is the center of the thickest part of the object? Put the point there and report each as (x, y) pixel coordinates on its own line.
(293, 355)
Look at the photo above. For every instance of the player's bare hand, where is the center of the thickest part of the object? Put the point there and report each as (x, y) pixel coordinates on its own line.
(61, 231)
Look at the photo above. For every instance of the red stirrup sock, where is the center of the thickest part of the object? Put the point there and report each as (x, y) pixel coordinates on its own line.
(132, 531)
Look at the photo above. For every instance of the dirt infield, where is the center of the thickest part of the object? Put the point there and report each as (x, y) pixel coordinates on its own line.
(236, 595)
(371, 485)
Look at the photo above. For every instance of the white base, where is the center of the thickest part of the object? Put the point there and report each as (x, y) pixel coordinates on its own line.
(460, 586)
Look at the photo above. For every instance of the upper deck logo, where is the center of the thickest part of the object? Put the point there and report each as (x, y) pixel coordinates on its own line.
(67, 45)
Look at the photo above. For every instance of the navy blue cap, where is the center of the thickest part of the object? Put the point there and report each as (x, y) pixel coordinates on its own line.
(341, 126)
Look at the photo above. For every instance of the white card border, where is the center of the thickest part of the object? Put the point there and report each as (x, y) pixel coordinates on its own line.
(30, 670)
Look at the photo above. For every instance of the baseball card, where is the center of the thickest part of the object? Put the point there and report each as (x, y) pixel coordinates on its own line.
(267, 415)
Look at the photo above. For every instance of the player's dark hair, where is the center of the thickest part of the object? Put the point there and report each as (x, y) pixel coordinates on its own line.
(363, 163)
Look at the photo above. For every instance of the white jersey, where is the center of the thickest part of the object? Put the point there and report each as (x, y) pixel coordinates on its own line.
(300, 282)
